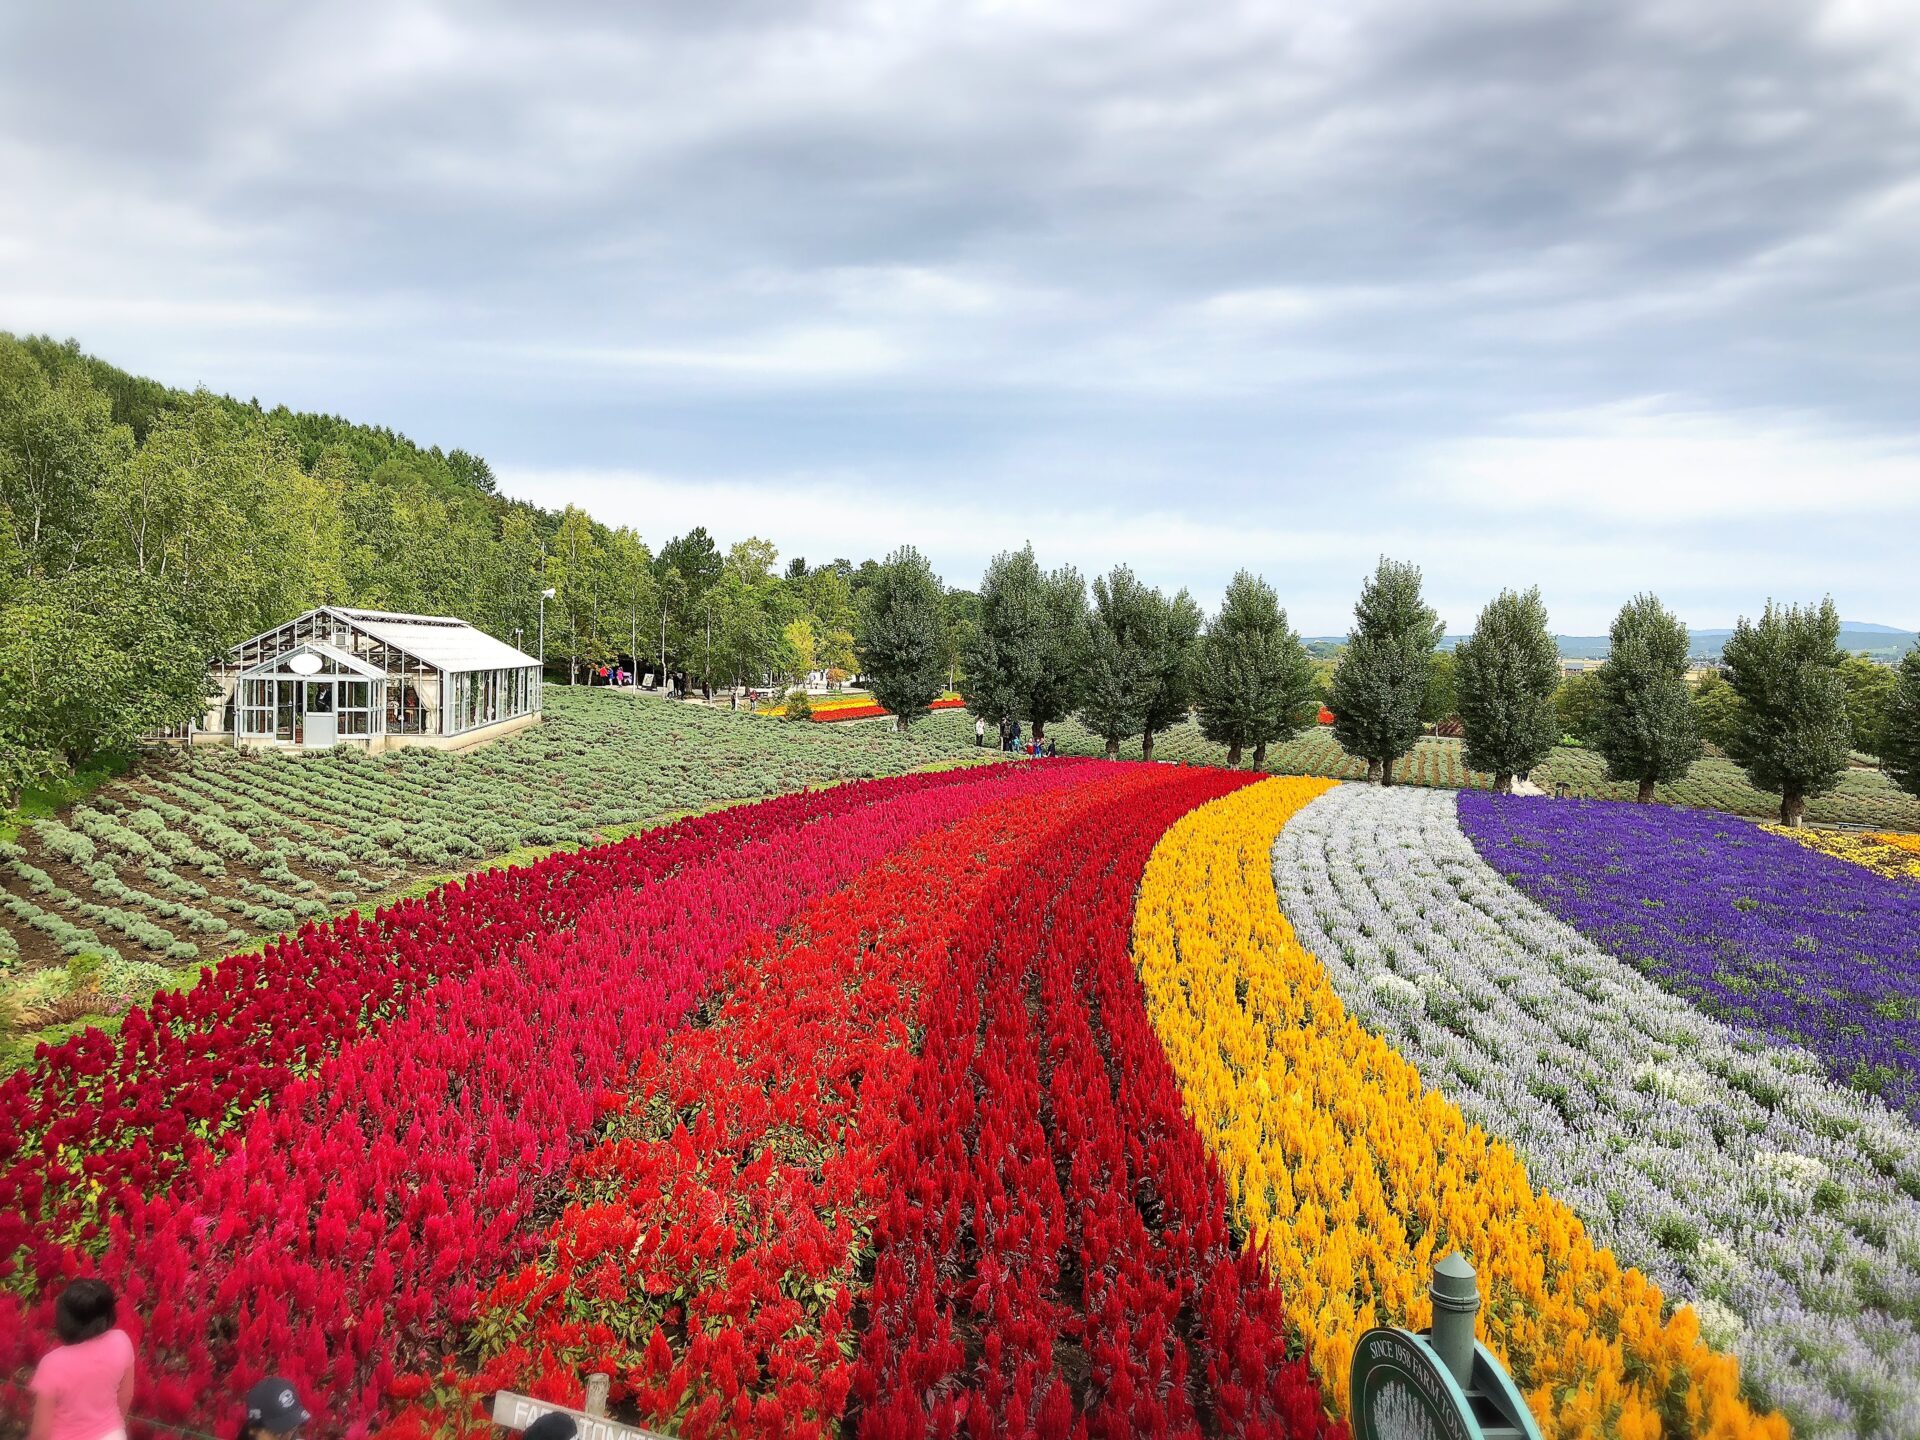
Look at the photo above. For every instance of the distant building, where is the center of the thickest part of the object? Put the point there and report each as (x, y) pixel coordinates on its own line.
(1571, 668)
(371, 679)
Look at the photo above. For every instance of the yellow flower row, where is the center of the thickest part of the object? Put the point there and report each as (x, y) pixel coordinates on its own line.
(1355, 1177)
(1896, 856)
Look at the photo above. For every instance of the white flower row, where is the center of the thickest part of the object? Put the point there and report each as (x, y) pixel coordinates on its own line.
(1727, 1169)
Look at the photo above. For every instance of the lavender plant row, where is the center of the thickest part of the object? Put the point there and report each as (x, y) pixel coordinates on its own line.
(1732, 1172)
(1752, 927)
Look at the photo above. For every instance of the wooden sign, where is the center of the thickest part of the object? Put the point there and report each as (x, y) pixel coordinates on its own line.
(516, 1412)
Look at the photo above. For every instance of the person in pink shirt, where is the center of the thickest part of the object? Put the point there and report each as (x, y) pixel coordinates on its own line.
(83, 1390)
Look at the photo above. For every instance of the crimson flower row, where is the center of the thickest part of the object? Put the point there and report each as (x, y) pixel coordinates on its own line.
(720, 1227)
(351, 1223)
(1056, 1256)
(101, 1120)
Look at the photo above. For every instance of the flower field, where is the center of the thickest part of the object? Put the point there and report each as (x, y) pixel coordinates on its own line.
(1755, 929)
(213, 850)
(1050, 1098)
(1784, 1210)
(858, 707)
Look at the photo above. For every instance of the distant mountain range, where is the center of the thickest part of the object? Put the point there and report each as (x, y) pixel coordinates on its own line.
(1859, 637)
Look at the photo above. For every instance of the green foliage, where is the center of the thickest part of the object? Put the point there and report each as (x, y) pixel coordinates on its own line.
(1900, 732)
(799, 705)
(91, 662)
(1381, 683)
(1870, 689)
(1645, 724)
(1508, 670)
(1793, 733)
(1026, 657)
(1716, 709)
(901, 647)
(1442, 700)
(1576, 705)
(1139, 658)
(1253, 684)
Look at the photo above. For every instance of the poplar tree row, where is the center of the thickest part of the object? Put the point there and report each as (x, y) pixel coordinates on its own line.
(1132, 661)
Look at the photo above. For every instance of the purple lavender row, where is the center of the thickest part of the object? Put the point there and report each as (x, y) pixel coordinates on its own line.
(1754, 929)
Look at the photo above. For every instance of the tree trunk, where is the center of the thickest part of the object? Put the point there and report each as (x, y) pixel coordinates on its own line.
(1233, 756)
(1386, 772)
(1645, 797)
(1373, 772)
(1113, 749)
(1039, 729)
(1502, 783)
(1793, 809)
(900, 724)
(1146, 746)
(1260, 755)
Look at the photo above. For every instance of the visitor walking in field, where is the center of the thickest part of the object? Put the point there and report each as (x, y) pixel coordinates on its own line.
(274, 1411)
(83, 1389)
(980, 732)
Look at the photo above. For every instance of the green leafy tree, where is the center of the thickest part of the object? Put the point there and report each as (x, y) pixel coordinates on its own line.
(901, 638)
(1507, 672)
(92, 662)
(1442, 700)
(577, 572)
(1126, 638)
(1716, 709)
(1644, 724)
(1025, 660)
(1793, 733)
(1382, 680)
(1253, 683)
(959, 623)
(1170, 692)
(59, 447)
(1870, 688)
(1900, 731)
(1576, 705)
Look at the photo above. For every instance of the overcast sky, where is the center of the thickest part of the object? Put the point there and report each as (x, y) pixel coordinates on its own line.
(1600, 296)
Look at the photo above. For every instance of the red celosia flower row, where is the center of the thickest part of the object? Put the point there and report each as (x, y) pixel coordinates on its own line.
(1055, 1258)
(719, 1229)
(102, 1120)
(356, 1217)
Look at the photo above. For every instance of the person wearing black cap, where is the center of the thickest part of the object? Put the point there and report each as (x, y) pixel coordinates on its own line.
(554, 1425)
(274, 1412)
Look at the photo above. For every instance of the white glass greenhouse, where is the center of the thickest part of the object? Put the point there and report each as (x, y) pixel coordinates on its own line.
(372, 679)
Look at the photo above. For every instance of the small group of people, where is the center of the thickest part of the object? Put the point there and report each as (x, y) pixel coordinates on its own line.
(83, 1388)
(1010, 741)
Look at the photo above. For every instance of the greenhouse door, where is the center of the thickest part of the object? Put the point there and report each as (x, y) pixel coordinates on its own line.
(321, 729)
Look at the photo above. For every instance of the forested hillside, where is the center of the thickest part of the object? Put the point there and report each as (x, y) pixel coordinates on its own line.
(143, 529)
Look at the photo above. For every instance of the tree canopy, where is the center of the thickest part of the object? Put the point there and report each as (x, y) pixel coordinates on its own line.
(1253, 682)
(1507, 671)
(1792, 733)
(1644, 724)
(1382, 680)
(902, 637)
(1026, 656)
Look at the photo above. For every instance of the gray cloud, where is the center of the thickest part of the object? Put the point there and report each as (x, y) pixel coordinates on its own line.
(1309, 265)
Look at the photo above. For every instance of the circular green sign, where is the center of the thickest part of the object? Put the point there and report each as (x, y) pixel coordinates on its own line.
(1401, 1391)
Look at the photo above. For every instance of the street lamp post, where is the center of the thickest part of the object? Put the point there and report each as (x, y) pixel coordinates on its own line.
(545, 595)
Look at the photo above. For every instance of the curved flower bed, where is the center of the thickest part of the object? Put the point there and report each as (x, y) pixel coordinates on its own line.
(1895, 856)
(1055, 1256)
(722, 1224)
(1783, 1208)
(362, 1210)
(871, 711)
(101, 1121)
(1754, 929)
(1355, 1177)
